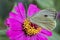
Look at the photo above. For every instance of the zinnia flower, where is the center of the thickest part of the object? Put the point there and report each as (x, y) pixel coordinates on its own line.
(20, 27)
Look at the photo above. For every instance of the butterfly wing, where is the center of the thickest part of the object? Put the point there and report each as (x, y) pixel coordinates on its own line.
(45, 19)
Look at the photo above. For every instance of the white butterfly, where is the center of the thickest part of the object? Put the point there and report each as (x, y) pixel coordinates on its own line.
(45, 19)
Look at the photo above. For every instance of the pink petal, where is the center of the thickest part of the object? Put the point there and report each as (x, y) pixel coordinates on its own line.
(32, 10)
(28, 37)
(41, 37)
(18, 13)
(16, 17)
(46, 32)
(21, 37)
(16, 8)
(14, 24)
(22, 10)
(33, 38)
(14, 34)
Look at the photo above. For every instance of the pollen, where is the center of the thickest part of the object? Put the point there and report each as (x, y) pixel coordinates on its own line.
(30, 29)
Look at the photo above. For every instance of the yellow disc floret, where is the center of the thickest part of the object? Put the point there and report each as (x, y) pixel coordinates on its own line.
(29, 29)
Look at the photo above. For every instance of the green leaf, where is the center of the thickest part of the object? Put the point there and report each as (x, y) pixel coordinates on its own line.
(45, 3)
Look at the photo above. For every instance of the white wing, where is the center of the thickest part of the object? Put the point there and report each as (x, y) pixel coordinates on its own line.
(45, 19)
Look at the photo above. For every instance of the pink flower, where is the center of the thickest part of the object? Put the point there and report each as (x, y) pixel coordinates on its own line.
(19, 26)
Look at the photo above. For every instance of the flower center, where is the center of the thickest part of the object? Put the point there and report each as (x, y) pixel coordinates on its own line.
(30, 28)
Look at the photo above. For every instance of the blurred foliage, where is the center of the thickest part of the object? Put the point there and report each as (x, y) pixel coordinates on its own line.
(55, 36)
(57, 29)
(2, 26)
(3, 37)
(57, 7)
(57, 4)
(7, 5)
(45, 3)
